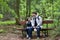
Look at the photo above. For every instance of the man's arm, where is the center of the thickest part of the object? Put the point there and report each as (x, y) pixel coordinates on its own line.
(39, 21)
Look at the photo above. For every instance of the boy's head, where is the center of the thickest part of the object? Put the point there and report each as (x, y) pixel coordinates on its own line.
(28, 18)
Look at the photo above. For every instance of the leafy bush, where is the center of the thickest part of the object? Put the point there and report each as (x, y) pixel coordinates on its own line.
(1, 15)
(2, 31)
(55, 33)
(7, 22)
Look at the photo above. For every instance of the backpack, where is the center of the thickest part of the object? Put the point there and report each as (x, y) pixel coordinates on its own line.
(38, 17)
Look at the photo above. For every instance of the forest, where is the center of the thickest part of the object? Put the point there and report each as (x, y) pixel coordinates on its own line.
(12, 12)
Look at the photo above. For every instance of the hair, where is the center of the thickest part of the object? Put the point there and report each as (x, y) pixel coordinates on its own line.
(27, 18)
(34, 13)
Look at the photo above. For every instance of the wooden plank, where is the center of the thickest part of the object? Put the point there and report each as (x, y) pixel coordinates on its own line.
(44, 22)
(44, 29)
(47, 21)
(22, 22)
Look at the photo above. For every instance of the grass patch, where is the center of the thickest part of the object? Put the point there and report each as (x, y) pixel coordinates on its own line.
(7, 22)
(2, 31)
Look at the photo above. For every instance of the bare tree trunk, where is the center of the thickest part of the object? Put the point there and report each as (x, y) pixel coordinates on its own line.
(17, 11)
(28, 8)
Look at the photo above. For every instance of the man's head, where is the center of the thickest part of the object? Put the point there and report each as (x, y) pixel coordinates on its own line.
(34, 13)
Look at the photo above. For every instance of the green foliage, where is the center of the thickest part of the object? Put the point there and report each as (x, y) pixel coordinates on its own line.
(5, 8)
(55, 33)
(45, 8)
(51, 7)
(1, 15)
(23, 8)
(2, 31)
(7, 22)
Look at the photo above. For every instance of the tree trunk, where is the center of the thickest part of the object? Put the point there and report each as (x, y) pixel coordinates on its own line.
(17, 11)
(28, 8)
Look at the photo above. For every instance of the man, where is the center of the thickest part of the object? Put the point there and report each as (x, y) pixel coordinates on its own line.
(36, 22)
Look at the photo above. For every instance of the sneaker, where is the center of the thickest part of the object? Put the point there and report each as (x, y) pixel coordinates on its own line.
(38, 39)
(29, 38)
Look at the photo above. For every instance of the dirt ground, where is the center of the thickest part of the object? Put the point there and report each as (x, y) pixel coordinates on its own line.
(13, 34)
(10, 36)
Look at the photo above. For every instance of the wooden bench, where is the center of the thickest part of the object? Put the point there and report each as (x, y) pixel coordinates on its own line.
(43, 29)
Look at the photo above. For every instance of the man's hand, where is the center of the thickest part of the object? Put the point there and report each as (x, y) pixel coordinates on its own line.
(34, 27)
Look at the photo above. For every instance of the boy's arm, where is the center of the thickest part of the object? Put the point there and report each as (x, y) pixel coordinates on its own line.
(32, 22)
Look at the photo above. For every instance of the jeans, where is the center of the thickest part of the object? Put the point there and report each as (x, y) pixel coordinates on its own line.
(30, 29)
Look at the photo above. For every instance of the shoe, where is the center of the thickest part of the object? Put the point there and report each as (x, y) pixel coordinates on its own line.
(38, 39)
(29, 38)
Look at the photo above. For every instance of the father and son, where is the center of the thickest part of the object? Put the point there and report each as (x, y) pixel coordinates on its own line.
(33, 23)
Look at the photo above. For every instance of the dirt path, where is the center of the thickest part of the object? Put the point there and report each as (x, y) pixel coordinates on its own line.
(11, 36)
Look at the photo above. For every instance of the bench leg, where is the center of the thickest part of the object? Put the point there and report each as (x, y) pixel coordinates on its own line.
(45, 33)
(23, 34)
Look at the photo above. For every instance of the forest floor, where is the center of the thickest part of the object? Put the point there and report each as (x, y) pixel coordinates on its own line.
(12, 34)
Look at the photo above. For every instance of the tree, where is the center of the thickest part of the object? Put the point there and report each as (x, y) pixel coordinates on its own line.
(28, 8)
(17, 11)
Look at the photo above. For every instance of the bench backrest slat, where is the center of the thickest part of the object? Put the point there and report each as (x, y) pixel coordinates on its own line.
(44, 22)
(47, 21)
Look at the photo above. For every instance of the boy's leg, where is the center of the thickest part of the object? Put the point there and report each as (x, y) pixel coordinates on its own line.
(29, 32)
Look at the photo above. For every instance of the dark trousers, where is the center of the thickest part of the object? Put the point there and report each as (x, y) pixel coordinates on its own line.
(29, 31)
